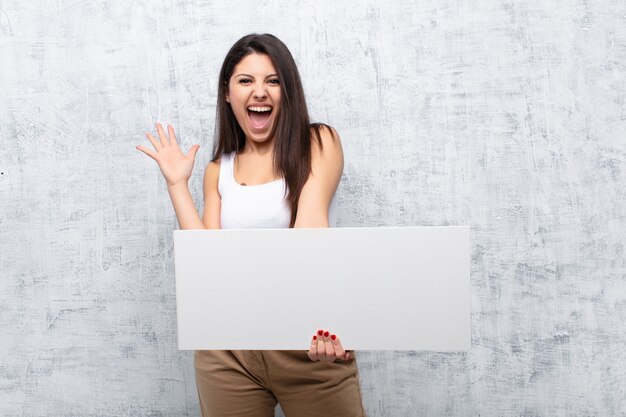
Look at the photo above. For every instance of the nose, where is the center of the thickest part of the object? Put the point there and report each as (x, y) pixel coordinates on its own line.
(259, 91)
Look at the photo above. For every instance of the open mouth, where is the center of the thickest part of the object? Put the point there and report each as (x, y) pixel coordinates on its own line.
(259, 116)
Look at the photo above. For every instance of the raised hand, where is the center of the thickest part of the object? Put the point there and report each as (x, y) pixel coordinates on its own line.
(175, 166)
(327, 347)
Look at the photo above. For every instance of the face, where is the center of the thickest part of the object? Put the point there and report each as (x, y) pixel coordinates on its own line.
(254, 96)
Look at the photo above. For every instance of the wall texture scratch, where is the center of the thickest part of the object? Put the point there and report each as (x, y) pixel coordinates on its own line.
(509, 116)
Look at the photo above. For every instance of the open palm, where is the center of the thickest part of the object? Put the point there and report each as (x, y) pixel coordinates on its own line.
(175, 166)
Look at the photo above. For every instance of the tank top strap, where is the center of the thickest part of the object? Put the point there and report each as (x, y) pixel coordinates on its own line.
(226, 179)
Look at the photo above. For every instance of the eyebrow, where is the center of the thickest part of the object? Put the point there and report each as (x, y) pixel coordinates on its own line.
(251, 76)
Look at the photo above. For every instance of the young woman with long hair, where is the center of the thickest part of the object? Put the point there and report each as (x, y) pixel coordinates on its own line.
(271, 167)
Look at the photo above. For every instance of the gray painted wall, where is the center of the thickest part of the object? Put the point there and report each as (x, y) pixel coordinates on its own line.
(508, 116)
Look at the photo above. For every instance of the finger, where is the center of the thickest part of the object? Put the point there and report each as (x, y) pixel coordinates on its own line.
(330, 350)
(157, 145)
(147, 152)
(347, 356)
(313, 349)
(164, 140)
(170, 131)
(321, 349)
(339, 350)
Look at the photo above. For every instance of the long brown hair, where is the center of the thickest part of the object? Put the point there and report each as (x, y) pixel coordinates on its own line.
(293, 131)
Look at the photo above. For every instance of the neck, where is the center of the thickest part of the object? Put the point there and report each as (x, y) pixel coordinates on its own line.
(259, 148)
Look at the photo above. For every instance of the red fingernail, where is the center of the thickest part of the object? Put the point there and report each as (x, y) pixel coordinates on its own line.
(314, 337)
(319, 332)
(326, 334)
(333, 337)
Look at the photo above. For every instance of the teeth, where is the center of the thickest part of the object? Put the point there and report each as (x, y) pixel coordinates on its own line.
(260, 109)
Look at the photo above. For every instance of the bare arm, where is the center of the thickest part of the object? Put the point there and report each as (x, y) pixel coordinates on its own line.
(176, 167)
(315, 199)
(212, 198)
(185, 208)
(186, 213)
(318, 191)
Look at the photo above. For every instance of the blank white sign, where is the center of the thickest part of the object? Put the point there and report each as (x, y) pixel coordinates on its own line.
(390, 288)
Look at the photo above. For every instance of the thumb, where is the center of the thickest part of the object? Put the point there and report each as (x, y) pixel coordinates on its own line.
(193, 151)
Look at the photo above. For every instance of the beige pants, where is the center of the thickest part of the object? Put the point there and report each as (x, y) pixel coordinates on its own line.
(249, 383)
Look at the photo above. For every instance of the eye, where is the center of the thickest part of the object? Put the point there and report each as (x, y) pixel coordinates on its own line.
(244, 81)
(274, 81)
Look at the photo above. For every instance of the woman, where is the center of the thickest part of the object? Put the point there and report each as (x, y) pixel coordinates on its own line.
(271, 168)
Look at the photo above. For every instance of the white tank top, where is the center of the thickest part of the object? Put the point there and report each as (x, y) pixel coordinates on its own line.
(255, 206)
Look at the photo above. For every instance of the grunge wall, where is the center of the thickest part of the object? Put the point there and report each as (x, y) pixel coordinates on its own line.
(508, 116)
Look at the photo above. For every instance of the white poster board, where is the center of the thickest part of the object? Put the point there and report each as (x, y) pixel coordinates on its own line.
(389, 288)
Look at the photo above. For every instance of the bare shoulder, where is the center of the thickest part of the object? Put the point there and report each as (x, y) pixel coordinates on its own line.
(328, 138)
(328, 150)
(212, 173)
(212, 168)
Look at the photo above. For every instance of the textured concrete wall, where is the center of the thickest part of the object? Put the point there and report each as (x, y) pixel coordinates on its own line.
(508, 116)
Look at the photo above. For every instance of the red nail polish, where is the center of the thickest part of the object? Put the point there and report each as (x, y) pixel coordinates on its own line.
(319, 332)
(326, 334)
(333, 337)
(314, 337)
